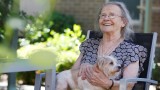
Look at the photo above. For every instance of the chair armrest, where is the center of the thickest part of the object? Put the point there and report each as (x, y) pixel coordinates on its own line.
(123, 82)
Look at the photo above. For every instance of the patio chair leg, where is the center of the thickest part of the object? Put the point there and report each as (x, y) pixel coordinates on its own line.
(38, 82)
(50, 80)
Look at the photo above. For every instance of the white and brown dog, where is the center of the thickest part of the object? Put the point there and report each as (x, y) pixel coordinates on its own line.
(69, 78)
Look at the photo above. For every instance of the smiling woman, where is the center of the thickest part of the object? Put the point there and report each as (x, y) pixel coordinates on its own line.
(115, 25)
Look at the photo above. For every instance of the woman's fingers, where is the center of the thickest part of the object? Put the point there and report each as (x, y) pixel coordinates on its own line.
(89, 73)
(90, 76)
(95, 68)
(83, 70)
(83, 76)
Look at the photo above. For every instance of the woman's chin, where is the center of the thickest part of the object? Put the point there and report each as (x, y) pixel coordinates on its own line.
(106, 30)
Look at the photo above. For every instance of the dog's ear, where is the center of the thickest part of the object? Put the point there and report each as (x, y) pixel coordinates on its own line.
(100, 63)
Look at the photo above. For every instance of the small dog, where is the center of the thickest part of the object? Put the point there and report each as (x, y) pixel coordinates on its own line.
(69, 78)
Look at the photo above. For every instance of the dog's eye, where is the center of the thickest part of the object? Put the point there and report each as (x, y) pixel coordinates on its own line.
(111, 63)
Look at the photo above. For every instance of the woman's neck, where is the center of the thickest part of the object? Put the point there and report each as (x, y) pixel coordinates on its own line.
(108, 43)
(111, 37)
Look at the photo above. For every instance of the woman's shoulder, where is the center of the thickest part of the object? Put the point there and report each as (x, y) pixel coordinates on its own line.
(131, 44)
(135, 51)
(90, 41)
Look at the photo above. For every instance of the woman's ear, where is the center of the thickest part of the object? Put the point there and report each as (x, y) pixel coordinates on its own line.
(125, 21)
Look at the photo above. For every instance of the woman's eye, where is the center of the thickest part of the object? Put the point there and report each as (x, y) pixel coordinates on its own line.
(103, 15)
(111, 14)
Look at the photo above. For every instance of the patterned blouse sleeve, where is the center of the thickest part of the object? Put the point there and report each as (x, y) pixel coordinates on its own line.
(142, 56)
(83, 46)
(137, 53)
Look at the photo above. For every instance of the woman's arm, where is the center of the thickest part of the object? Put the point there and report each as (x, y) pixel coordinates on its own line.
(77, 63)
(130, 71)
(99, 79)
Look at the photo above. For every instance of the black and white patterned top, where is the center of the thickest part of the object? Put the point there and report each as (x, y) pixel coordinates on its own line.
(126, 53)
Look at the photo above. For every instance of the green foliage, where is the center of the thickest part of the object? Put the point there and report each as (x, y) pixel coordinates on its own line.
(156, 73)
(61, 22)
(43, 29)
(40, 28)
(5, 7)
(1, 34)
(156, 70)
(37, 30)
(65, 46)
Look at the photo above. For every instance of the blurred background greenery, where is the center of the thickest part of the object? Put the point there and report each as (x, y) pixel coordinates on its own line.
(54, 32)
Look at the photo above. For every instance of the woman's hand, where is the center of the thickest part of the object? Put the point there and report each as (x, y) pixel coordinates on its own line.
(97, 78)
(82, 70)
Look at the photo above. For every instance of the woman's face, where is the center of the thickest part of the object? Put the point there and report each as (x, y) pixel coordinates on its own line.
(110, 19)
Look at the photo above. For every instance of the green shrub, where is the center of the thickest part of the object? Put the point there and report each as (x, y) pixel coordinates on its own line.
(39, 28)
(61, 22)
(5, 11)
(1, 34)
(156, 70)
(65, 46)
(156, 73)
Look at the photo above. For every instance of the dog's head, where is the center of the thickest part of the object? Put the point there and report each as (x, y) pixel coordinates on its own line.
(108, 65)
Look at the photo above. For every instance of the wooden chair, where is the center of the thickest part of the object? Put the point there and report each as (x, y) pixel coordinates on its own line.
(147, 40)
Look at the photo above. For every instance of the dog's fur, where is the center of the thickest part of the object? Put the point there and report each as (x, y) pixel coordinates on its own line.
(69, 78)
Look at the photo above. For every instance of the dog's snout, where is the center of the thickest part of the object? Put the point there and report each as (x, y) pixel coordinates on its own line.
(119, 67)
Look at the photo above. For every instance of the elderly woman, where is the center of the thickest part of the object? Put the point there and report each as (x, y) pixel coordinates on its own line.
(115, 24)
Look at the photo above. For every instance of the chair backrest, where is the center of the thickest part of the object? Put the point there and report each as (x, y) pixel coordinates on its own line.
(148, 40)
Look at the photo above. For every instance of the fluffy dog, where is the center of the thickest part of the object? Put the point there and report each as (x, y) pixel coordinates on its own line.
(69, 78)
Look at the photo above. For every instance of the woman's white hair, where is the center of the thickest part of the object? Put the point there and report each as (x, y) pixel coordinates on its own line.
(127, 31)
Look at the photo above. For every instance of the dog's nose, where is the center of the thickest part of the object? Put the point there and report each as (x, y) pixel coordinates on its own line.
(119, 67)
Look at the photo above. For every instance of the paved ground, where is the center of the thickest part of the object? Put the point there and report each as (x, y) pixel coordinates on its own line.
(4, 84)
(29, 87)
